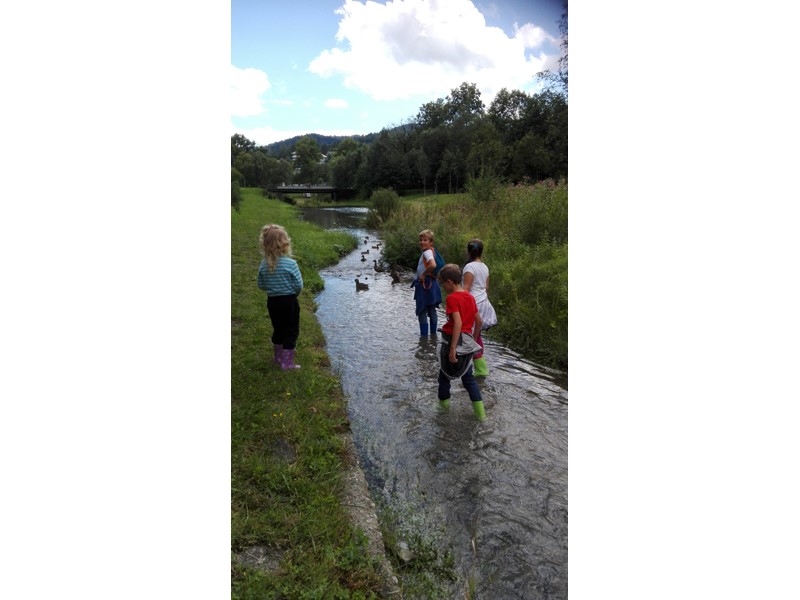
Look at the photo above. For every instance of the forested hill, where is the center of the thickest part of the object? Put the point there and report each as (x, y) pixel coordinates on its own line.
(284, 148)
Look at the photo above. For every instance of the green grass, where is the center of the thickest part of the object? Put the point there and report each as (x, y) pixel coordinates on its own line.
(291, 506)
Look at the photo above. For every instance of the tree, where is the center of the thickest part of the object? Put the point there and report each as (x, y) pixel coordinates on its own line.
(386, 164)
(487, 155)
(558, 81)
(239, 145)
(236, 192)
(433, 143)
(275, 171)
(420, 165)
(348, 155)
(531, 159)
(245, 164)
(432, 114)
(464, 105)
(507, 112)
(307, 157)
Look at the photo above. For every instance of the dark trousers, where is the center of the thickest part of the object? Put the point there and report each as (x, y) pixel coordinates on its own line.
(468, 380)
(284, 312)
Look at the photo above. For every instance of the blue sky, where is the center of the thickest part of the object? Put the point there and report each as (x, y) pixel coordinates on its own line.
(343, 67)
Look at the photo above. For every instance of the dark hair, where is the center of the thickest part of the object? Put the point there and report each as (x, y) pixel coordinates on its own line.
(474, 249)
(451, 272)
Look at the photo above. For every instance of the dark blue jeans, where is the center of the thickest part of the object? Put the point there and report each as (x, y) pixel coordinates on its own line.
(429, 313)
(468, 380)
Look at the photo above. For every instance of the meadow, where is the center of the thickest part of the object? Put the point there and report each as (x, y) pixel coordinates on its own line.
(287, 452)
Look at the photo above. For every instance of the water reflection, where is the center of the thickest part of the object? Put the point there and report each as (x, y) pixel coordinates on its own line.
(498, 488)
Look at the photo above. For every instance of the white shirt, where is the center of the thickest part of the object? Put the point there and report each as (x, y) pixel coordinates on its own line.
(428, 256)
(480, 272)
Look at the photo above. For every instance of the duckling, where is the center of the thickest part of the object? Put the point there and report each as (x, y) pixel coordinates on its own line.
(378, 267)
(361, 286)
(363, 258)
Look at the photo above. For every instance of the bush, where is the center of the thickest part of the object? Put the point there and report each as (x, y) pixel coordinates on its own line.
(483, 188)
(384, 203)
(236, 195)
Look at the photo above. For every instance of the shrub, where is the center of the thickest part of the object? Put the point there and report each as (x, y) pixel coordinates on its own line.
(483, 188)
(236, 195)
(384, 203)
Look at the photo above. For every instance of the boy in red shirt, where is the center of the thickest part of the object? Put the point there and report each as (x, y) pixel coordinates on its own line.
(458, 343)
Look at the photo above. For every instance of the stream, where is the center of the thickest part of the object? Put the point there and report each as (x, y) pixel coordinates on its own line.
(493, 493)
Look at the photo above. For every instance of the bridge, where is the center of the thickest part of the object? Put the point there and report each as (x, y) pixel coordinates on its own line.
(312, 189)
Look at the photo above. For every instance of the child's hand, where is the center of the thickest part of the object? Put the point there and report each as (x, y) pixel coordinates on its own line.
(452, 357)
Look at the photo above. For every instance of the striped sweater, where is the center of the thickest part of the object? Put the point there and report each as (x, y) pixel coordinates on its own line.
(285, 280)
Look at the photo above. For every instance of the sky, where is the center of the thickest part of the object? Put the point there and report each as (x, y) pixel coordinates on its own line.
(344, 67)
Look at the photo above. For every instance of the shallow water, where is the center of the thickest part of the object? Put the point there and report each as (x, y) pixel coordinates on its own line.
(495, 492)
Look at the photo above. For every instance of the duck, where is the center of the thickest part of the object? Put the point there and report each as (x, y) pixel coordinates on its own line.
(363, 258)
(395, 277)
(378, 267)
(361, 286)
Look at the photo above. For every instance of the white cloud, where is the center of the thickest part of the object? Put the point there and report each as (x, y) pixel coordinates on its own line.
(336, 103)
(532, 36)
(247, 86)
(417, 47)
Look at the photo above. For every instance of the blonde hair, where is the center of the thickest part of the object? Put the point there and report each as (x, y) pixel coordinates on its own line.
(427, 234)
(275, 243)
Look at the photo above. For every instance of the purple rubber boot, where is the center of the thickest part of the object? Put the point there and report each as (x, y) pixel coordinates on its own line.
(287, 360)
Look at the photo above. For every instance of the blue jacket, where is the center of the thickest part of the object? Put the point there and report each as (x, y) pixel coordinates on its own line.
(426, 297)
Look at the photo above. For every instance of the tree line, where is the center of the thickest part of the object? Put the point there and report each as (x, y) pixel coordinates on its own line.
(520, 137)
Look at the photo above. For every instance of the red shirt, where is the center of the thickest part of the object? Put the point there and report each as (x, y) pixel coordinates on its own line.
(462, 302)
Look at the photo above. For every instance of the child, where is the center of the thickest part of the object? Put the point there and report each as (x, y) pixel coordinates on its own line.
(427, 293)
(476, 282)
(458, 345)
(279, 276)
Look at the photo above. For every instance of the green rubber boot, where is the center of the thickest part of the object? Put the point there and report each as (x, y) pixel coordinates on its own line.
(480, 412)
(480, 368)
(444, 404)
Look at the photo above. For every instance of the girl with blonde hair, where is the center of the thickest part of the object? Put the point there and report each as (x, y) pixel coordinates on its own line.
(279, 276)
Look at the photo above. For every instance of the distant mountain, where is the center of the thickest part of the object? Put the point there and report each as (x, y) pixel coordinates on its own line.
(284, 148)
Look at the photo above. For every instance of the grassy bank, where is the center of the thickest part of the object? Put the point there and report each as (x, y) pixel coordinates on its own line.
(286, 451)
(524, 230)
